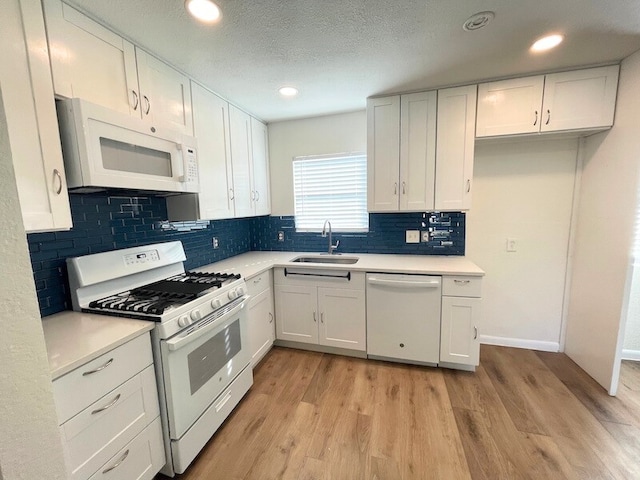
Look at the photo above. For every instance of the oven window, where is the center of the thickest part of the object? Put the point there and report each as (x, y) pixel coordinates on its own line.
(210, 357)
(124, 157)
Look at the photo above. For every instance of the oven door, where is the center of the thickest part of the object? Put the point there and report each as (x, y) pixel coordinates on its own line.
(200, 362)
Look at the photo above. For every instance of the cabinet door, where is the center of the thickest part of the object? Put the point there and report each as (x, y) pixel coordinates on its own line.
(240, 134)
(455, 148)
(342, 318)
(165, 94)
(29, 111)
(211, 128)
(509, 107)
(296, 308)
(417, 151)
(383, 153)
(580, 99)
(261, 325)
(459, 330)
(89, 61)
(260, 168)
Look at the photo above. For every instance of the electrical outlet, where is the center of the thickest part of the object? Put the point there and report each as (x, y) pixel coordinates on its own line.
(424, 236)
(216, 244)
(413, 236)
(512, 245)
(281, 236)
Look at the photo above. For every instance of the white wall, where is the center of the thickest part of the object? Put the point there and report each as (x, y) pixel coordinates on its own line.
(631, 347)
(329, 134)
(30, 445)
(604, 235)
(524, 190)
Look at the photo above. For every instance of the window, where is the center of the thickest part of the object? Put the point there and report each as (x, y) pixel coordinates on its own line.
(331, 187)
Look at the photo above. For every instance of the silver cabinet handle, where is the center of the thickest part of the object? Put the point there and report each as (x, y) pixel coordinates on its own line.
(257, 196)
(270, 317)
(404, 188)
(535, 122)
(548, 117)
(231, 195)
(468, 185)
(56, 174)
(395, 188)
(118, 463)
(146, 99)
(461, 281)
(321, 317)
(136, 99)
(107, 406)
(255, 282)
(314, 316)
(475, 333)
(99, 369)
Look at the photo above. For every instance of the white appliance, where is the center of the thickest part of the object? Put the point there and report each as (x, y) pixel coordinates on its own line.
(107, 149)
(200, 342)
(403, 317)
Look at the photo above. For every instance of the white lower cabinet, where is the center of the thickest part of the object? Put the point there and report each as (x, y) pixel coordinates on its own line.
(321, 307)
(461, 315)
(262, 325)
(109, 415)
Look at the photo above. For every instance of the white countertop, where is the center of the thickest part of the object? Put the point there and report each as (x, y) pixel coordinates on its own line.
(75, 338)
(252, 263)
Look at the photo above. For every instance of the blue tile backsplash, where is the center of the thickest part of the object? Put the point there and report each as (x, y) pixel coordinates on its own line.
(113, 220)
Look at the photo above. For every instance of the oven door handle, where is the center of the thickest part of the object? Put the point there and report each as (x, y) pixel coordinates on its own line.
(180, 341)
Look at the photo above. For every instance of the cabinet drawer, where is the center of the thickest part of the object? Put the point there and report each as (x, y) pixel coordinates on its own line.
(81, 387)
(462, 286)
(319, 277)
(98, 432)
(259, 283)
(140, 459)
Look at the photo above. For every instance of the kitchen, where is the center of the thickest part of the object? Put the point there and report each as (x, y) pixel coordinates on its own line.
(498, 213)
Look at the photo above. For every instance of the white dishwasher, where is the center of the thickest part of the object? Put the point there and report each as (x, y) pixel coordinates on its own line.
(403, 317)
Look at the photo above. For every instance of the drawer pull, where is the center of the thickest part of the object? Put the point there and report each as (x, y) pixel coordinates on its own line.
(109, 405)
(475, 333)
(223, 402)
(462, 282)
(118, 463)
(99, 369)
(255, 282)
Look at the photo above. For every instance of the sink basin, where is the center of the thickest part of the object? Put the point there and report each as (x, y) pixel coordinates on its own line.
(336, 259)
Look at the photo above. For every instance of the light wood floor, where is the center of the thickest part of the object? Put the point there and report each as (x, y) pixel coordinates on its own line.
(522, 415)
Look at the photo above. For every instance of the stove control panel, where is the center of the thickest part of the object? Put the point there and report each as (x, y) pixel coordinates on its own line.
(141, 257)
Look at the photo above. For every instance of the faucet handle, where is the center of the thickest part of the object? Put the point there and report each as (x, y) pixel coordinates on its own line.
(334, 247)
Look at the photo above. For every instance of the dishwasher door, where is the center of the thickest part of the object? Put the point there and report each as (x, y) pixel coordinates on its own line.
(403, 317)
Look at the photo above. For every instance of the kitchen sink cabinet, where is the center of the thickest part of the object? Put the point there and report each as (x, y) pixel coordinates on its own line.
(29, 112)
(576, 100)
(261, 316)
(321, 308)
(91, 62)
(420, 150)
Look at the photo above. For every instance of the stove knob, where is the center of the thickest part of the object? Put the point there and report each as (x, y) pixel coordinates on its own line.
(240, 291)
(184, 321)
(216, 303)
(232, 295)
(196, 315)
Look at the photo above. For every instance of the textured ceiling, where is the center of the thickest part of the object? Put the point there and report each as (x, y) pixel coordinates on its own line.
(337, 53)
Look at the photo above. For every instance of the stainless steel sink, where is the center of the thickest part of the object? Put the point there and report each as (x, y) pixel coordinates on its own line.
(337, 259)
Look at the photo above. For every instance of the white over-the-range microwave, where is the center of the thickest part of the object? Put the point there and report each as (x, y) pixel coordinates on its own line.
(103, 148)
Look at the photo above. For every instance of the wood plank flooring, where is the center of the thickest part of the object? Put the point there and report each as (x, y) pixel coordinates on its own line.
(521, 415)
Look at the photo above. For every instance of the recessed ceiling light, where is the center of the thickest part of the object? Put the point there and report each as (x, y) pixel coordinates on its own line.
(204, 10)
(546, 43)
(477, 21)
(288, 91)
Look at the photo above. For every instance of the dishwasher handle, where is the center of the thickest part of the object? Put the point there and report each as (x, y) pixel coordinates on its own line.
(403, 283)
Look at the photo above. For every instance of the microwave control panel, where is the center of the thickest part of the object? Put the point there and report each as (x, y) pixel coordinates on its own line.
(190, 166)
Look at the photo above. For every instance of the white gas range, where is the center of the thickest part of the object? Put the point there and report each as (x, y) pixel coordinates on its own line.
(200, 342)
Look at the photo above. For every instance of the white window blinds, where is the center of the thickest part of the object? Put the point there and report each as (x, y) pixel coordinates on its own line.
(331, 188)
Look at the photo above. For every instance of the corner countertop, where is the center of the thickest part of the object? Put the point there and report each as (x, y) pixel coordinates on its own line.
(75, 338)
(253, 263)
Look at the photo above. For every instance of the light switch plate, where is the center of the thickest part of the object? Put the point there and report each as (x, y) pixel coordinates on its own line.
(512, 245)
(413, 236)
(215, 242)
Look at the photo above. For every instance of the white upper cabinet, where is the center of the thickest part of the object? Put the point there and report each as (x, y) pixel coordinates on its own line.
(91, 62)
(260, 168)
(30, 115)
(455, 147)
(165, 96)
(577, 100)
(417, 151)
(383, 153)
(240, 134)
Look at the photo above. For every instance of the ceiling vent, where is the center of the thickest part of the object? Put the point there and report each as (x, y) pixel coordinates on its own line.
(477, 21)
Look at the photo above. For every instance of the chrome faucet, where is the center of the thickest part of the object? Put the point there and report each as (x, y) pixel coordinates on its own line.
(332, 247)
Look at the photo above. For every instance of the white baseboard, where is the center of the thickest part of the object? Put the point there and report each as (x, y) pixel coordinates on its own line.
(631, 355)
(521, 343)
